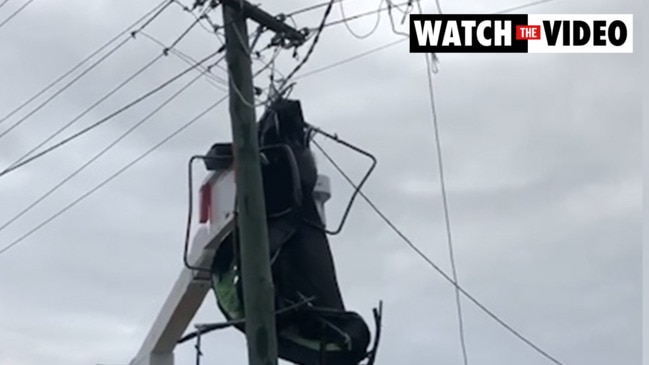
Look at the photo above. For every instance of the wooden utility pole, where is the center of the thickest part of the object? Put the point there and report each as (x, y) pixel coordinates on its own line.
(258, 291)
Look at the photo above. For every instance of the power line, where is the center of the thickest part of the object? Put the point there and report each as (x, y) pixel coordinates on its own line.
(105, 119)
(350, 59)
(103, 151)
(15, 13)
(183, 34)
(387, 221)
(352, 32)
(438, 6)
(375, 49)
(85, 195)
(395, 42)
(447, 218)
(98, 102)
(311, 8)
(62, 211)
(3, 3)
(110, 178)
(205, 16)
(404, 12)
(69, 84)
(88, 110)
(140, 30)
(406, 240)
(433, 265)
(215, 28)
(212, 78)
(74, 80)
(447, 215)
(345, 20)
(88, 58)
(445, 205)
(312, 47)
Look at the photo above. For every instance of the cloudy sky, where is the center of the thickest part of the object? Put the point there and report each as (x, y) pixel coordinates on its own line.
(543, 165)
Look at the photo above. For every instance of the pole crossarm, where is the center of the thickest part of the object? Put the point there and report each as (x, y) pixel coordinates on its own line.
(265, 19)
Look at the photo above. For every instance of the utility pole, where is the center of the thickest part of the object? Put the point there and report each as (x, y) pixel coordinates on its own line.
(258, 291)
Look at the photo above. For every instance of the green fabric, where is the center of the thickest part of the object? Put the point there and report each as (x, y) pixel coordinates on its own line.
(226, 294)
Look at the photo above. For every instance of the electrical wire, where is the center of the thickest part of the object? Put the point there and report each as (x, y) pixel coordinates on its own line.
(89, 57)
(395, 42)
(88, 110)
(311, 48)
(3, 3)
(69, 84)
(435, 266)
(62, 211)
(445, 208)
(101, 100)
(311, 8)
(392, 226)
(440, 165)
(103, 151)
(439, 154)
(352, 32)
(362, 15)
(391, 17)
(445, 201)
(105, 119)
(15, 13)
(110, 178)
(377, 49)
(447, 219)
(99, 186)
(350, 59)
(212, 78)
(184, 34)
(437, 4)
(204, 16)
(78, 77)
(42, 224)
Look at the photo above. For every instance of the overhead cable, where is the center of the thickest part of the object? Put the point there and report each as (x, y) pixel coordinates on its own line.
(79, 76)
(104, 151)
(15, 13)
(110, 178)
(86, 111)
(352, 32)
(212, 78)
(101, 100)
(435, 266)
(430, 69)
(311, 48)
(105, 119)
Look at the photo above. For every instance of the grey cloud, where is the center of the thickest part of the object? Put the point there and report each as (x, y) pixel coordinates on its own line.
(542, 154)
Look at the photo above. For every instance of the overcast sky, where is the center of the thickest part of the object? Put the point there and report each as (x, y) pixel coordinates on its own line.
(543, 165)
